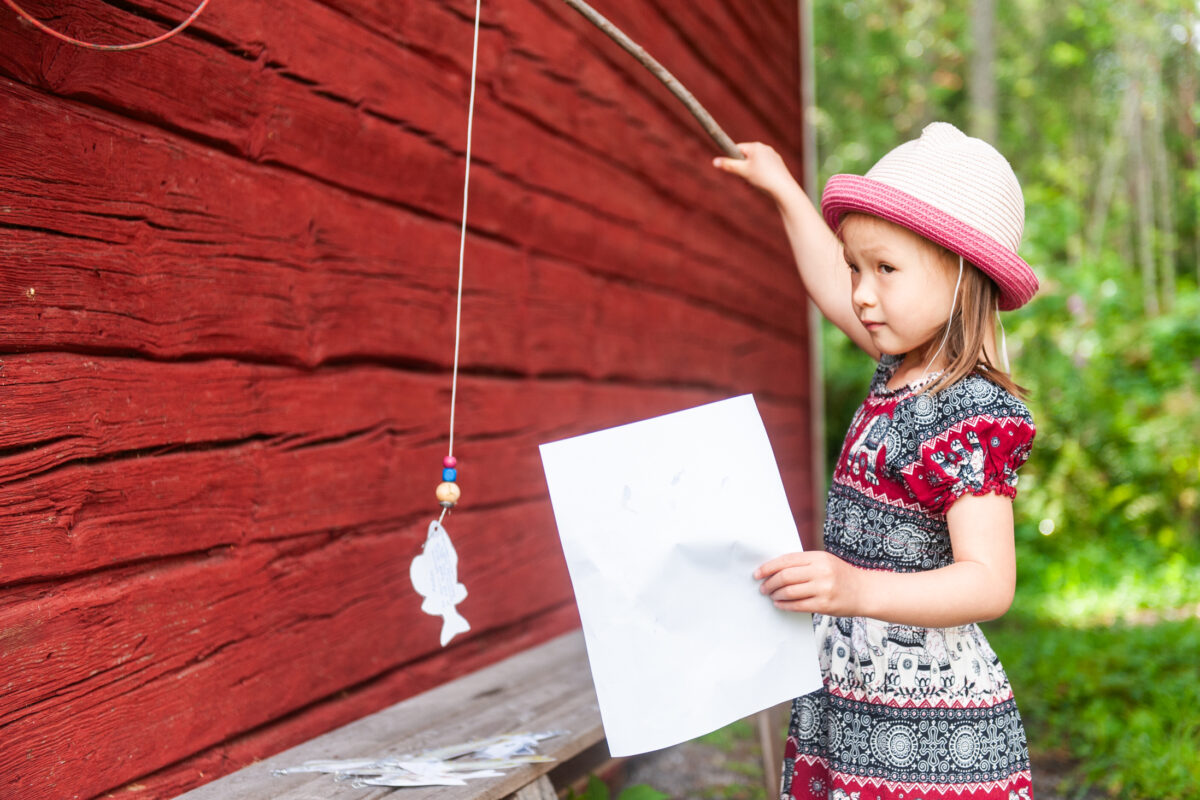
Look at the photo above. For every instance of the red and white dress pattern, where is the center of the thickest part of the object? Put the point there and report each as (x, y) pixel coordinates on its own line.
(910, 713)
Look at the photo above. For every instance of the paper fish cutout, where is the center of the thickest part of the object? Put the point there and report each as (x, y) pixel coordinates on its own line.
(443, 766)
(434, 575)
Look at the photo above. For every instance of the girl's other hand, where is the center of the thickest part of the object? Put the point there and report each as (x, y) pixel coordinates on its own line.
(814, 582)
(762, 168)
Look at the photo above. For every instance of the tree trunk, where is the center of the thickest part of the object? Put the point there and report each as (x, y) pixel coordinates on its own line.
(1164, 195)
(982, 86)
(1143, 205)
(1187, 131)
(1114, 155)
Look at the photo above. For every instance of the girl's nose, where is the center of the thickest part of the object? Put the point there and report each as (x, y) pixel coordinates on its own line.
(861, 294)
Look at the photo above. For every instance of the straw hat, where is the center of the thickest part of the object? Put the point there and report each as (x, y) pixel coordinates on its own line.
(952, 189)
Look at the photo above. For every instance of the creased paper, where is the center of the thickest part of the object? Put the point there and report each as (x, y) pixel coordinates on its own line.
(662, 523)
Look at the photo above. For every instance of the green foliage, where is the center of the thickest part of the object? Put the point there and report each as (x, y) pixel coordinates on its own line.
(732, 736)
(1123, 700)
(1108, 510)
(751, 790)
(738, 743)
(641, 792)
(597, 789)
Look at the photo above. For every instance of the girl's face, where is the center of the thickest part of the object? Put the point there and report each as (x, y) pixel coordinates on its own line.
(901, 285)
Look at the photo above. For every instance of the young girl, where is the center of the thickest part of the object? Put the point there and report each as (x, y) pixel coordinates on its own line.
(919, 522)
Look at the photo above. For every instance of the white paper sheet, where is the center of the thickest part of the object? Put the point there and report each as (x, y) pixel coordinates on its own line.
(662, 523)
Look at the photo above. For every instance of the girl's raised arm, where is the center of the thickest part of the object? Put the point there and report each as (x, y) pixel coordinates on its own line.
(817, 251)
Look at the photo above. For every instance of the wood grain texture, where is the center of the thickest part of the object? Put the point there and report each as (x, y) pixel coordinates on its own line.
(108, 460)
(347, 705)
(397, 152)
(228, 261)
(227, 270)
(541, 789)
(547, 688)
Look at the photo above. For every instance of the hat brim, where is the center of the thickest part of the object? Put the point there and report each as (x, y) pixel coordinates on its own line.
(848, 193)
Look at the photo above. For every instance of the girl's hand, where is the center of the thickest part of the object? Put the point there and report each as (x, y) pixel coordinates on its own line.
(816, 582)
(762, 168)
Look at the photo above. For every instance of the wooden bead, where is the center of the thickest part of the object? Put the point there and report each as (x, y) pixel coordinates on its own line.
(449, 462)
(448, 493)
(449, 474)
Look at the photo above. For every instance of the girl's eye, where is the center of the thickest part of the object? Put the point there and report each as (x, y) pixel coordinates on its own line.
(886, 268)
(852, 267)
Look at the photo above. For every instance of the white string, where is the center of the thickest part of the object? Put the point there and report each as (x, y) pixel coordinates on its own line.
(953, 301)
(462, 242)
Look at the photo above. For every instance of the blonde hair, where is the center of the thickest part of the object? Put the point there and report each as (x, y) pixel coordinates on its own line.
(975, 311)
(974, 314)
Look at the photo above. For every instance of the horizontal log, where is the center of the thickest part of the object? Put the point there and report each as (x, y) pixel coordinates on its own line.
(720, 50)
(205, 554)
(548, 688)
(526, 316)
(120, 608)
(282, 257)
(351, 704)
(113, 461)
(773, 29)
(573, 45)
(399, 145)
(112, 674)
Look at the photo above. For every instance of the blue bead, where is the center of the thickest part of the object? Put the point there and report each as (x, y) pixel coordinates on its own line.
(449, 474)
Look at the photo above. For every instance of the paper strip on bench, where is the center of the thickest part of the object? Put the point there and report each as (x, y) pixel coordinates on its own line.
(662, 523)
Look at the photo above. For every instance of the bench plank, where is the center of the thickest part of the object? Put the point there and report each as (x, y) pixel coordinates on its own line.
(548, 687)
(541, 789)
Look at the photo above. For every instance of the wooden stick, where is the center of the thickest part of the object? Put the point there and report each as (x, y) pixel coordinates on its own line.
(659, 71)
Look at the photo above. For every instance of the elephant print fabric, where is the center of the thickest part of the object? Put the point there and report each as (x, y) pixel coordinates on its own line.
(910, 712)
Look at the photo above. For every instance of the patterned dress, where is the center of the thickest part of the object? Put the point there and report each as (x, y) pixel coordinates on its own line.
(909, 712)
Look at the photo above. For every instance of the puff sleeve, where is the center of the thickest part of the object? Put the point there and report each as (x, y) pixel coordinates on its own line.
(975, 441)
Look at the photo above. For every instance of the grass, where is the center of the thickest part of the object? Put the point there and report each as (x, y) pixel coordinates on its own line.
(1121, 700)
(738, 743)
(753, 791)
(1100, 582)
(732, 737)
(597, 789)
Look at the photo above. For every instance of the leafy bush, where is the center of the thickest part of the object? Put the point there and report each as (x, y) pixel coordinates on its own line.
(597, 789)
(1122, 700)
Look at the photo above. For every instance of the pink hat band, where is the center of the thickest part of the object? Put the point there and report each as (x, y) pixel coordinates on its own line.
(954, 190)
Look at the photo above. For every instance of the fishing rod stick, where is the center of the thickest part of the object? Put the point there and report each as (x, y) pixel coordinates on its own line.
(659, 71)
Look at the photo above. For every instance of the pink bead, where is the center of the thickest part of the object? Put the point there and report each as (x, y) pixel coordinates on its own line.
(449, 462)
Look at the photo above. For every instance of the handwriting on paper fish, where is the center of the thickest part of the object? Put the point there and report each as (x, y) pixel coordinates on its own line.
(434, 575)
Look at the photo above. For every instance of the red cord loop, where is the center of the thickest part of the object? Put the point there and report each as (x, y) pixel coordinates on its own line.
(25, 15)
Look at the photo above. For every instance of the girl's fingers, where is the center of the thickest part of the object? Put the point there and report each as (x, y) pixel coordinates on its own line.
(735, 164)
(783, 578)
(793, 605)
(740, 165)
(792, 592)
(768, 576)
(727, 164)
(778, 563)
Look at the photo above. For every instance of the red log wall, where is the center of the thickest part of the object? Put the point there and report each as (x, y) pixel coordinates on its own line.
(228, 266)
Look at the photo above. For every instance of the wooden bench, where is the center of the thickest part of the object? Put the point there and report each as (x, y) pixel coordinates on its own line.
(541, 689)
